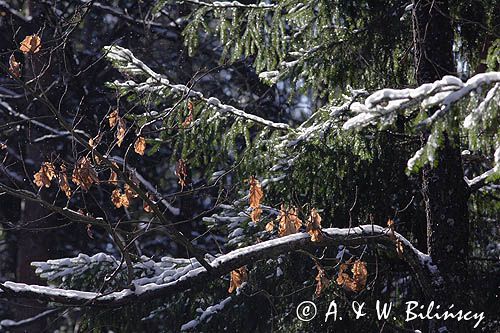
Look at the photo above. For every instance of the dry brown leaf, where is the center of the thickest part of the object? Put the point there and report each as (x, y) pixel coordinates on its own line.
(181, 172)
(113, 118)
(189, 118)
(3, 146)
(360, 273)
(357, 282)
(113, 177)
(322, 281)
(140, 145)
(116, 198)
(255, 214)
(63, 181)
(31, 44)
(14, 67)
(238, 277)
(84, 174)
(45, 175)
(289, 222)
(121, 130)
(256, 193)
(313, 226)
(342, 277)
(270, 226)
(187, 121)
(255, 198)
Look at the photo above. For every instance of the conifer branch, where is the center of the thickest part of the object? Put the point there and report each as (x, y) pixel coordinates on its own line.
(197, 277)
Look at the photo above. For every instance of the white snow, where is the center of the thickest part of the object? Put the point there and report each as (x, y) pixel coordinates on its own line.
(128, 63)
(170, 275)
(206, 314)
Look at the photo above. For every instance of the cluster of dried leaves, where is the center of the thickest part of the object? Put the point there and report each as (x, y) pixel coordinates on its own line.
(84, 174)
(121, 126)
(30, 45)
(47, 172)
(289, 223)
(357, 282)
(238, 277)
(123, 199)
(45, 175)
(392, 235)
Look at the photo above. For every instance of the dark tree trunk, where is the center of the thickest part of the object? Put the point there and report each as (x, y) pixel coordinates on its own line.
(444, 189)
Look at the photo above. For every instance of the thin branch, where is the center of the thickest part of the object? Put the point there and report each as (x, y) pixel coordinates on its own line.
(11, 324)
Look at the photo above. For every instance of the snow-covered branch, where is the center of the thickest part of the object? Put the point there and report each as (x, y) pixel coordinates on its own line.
(382, 107)
(231, 4)
(477, 182)
(12, 324)
(190, 274)
(443, 93)
(126, 62)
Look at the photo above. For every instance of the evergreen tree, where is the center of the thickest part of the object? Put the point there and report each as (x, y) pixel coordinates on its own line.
(324, 151)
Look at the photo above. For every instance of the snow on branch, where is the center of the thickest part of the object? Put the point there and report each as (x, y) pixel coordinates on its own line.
(231, 4)
(190, 274)
(125, 61)
(382, 107)
(442, 93)
(477, 182)
(11, 324)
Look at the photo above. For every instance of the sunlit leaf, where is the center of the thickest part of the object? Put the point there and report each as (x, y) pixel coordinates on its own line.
(84, 174)
(238, 277)
(289, 222)
(14, 67)
(140, 145)
(31, 44)
(45, 175)
(313, 226)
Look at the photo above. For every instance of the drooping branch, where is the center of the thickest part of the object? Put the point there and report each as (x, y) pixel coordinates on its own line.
(442, 93)
(126, 62)
(11, 324)
(477, 182)
(197, 276)
(232, 4)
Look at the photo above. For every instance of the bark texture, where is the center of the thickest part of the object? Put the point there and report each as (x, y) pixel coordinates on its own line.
(444, 189)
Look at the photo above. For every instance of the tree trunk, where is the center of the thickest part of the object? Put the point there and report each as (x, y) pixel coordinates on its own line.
(444, 189)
